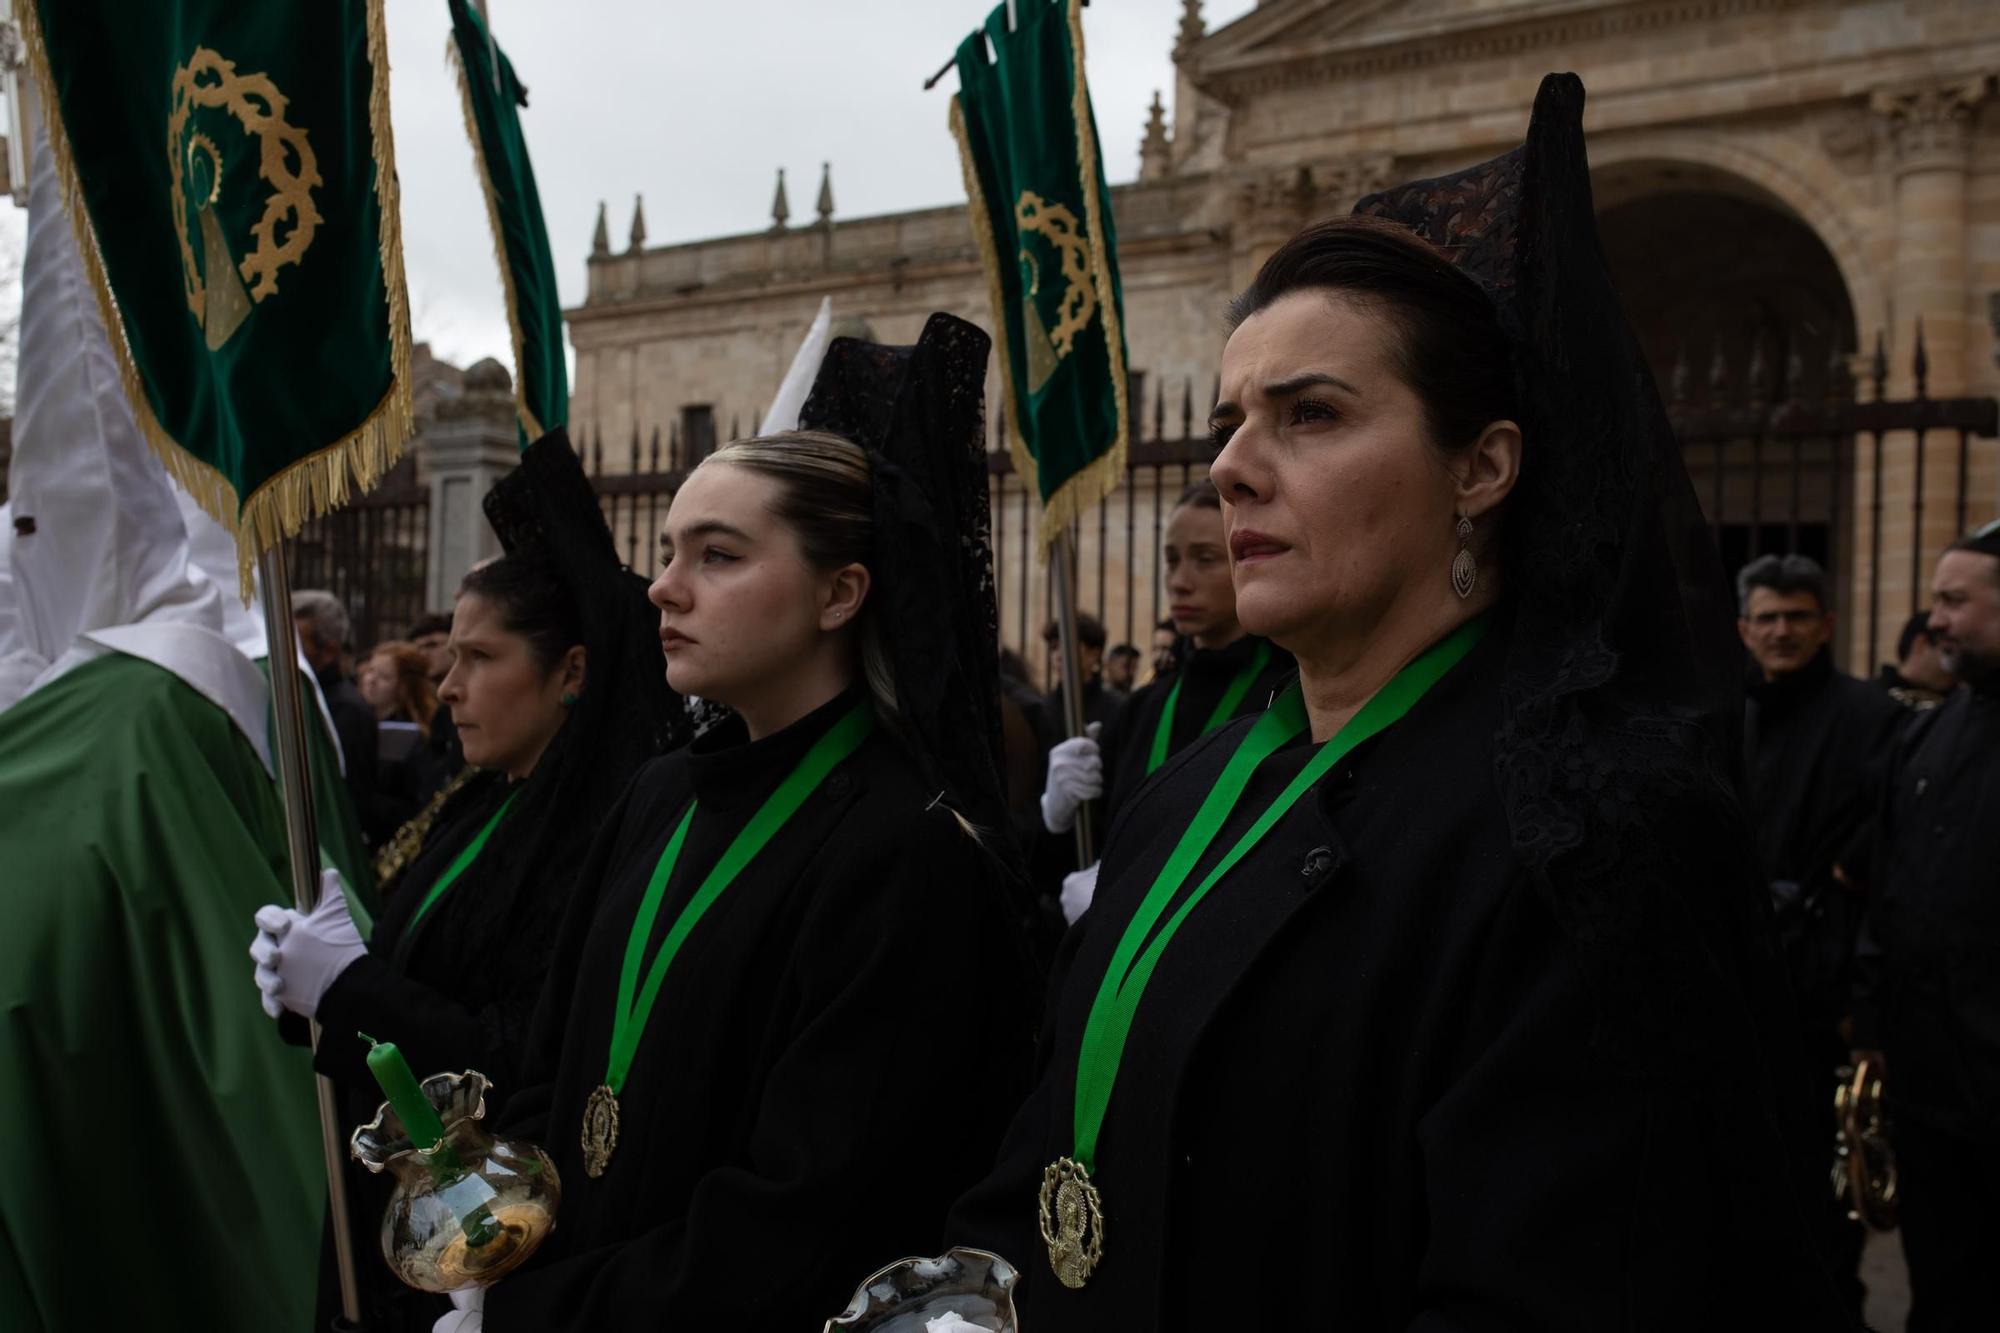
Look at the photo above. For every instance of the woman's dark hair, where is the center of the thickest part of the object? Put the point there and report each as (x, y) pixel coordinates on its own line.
(1449, 346)
(534, 602)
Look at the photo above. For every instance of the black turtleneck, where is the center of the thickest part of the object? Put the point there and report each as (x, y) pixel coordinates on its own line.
(1204, 677)
(831, 1058)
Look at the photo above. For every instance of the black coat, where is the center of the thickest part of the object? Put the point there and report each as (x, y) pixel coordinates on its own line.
(831, 1059)
(1362, 1091)
(354, 722)
(1204, 677)
(1815, 742)
(1935, 916)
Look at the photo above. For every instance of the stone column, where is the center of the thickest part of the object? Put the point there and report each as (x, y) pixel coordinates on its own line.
(1928, 131)
(470, 444)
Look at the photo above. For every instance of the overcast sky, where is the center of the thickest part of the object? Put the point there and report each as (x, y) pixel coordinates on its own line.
(696, 106)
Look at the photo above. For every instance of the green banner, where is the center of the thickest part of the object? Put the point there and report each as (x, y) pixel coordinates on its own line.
(231, 176)
(1041, 214)
(527, 266)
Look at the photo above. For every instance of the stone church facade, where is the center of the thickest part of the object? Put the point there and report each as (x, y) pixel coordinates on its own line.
(1796, 175)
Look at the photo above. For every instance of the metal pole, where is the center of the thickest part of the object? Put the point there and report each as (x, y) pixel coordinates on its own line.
(302, 840)
(1063, 557)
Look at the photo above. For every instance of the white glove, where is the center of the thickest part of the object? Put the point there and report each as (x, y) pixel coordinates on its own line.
(1079, 887)
(953, 1323)
(469, 1316)
(298, 956)
(1076, 775)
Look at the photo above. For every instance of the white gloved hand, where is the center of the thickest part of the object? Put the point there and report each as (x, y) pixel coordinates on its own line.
(299, 955)
(1076, 775)
(468, 1314)
(1078, 888)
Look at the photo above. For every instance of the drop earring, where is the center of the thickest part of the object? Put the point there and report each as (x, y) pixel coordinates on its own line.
(1464, 569)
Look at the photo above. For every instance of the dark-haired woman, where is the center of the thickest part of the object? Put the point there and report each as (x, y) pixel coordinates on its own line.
(805, 953)
(1435, 997)
(1227, 673)
(556, 687)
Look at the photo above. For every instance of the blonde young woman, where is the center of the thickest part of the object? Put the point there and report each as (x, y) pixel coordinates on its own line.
(801, 944)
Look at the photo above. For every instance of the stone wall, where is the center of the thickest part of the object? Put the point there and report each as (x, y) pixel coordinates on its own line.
(1875, 124)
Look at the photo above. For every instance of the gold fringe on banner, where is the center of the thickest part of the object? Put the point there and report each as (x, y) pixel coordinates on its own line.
(319, 482)
(529, 424)
(989, 258)
(1091, 485)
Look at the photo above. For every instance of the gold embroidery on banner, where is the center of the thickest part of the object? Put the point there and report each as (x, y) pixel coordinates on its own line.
(321, 480)
(215, 292)
(1076, 305)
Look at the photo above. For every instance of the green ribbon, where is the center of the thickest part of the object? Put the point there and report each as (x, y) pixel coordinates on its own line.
(628, 1022)
(1225, 707)
(459, 863)
(1124, 982)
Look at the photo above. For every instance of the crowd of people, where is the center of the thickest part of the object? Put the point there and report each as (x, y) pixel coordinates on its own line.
(1462, 942)
(398, 744)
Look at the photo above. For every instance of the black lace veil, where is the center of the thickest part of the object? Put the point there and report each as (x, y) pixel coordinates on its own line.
(1618, 758)
(919, 411)
(624, 715)
(1624, 679)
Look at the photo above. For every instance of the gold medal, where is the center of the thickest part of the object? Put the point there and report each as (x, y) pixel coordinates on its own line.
(1072, 1221)
(600, 1130)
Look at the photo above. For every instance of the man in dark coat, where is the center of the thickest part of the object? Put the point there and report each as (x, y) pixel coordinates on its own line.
(322, 625)
(1814, 740)
(1930, 969)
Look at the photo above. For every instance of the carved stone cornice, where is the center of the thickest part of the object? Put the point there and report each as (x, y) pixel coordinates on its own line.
(1279, 200)
(1233, 77)
(1930, 126)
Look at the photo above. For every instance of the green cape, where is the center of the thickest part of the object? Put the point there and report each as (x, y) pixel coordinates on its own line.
(159, 1152)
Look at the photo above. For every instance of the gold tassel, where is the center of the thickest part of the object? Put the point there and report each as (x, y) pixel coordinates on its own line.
(1095, 482)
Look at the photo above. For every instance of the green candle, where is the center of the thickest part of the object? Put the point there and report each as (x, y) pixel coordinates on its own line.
(400, 1086)
(426, 1132)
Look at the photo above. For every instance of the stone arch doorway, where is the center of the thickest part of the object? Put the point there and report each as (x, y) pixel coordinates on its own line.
(1735, 299)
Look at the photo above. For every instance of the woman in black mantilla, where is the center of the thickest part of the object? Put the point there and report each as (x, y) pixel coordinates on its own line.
(1484, 1027)
(558, 691)
(803, 947)
(1226, 673)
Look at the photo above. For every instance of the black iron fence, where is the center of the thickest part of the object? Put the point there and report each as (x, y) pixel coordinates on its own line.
(1784, 460)
(374, 555)
(1866, 484)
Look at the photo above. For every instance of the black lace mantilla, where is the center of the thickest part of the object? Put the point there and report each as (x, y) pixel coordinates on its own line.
(624, 716)
(1622, 695)
(920, 413)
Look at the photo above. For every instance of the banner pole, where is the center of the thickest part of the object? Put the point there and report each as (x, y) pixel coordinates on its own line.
(302, 839)
(1063, 554)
